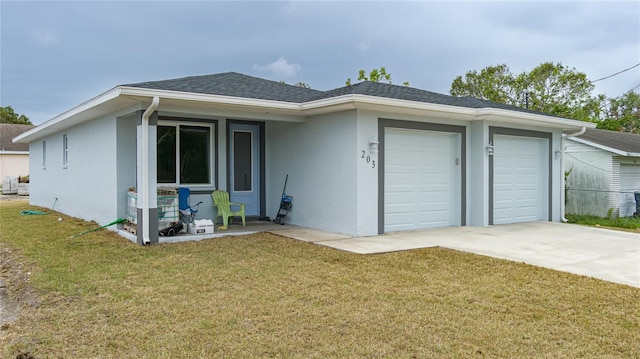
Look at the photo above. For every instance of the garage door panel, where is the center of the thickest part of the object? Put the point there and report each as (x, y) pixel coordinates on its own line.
(523, 214)
(419, 200)
(520, 179)
(527, 182)
(420, 177)
(405, 188)
(406, 208)
(403, 221)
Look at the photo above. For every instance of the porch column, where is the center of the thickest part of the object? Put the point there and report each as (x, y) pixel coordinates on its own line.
(151, 184)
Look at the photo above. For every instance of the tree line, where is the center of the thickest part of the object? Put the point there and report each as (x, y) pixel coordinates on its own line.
(554, 89)
(8, 115)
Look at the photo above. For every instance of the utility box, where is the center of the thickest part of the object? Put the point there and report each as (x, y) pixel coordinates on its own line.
(10, 185)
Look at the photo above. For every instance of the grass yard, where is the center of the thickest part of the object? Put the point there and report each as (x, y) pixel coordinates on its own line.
(627, 224)
(101, 296)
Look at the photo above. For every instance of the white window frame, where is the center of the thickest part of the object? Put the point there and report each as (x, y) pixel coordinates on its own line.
(65, 151)
(44, 155)
(212, 151)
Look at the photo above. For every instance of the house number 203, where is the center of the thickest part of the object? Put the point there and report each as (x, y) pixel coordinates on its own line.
(368, 159)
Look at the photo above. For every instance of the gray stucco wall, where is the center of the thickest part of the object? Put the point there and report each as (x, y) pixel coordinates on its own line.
(368, 167)
(320, 156)
(478, 174)
(85, 188)
(125, 160)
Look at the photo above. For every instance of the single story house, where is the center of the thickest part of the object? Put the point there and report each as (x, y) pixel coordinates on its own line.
(362, 160)
(603, 173)
(14, 157)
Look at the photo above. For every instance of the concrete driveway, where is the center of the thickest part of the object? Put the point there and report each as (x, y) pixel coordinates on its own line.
(600, 253)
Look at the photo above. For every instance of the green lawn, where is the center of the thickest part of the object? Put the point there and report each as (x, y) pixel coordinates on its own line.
(102, 296)
(628, 224)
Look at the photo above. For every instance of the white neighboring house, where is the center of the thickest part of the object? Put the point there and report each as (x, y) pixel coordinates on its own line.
(14, 157)
(362, 160)
(604, 173)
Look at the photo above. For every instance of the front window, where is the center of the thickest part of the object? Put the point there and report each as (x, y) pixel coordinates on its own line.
(185, 153)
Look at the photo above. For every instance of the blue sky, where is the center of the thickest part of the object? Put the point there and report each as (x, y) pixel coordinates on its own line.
(56, 55)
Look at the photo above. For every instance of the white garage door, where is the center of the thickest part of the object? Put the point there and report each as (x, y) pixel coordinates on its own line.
(421, 179)
(629, 183)
(520, 179)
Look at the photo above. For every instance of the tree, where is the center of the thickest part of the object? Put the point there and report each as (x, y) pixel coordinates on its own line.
(298, 84)
(556, 89)
(550, 87)
(493, 83)
(7, 115)
(302, 84)
(375, 75)
(622, 113)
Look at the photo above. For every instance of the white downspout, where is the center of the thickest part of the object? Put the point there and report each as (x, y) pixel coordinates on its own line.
(144, 190)
(562, 195)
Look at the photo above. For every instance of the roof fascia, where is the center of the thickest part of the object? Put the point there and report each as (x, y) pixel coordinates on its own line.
(173, 101)
(603, 147)
(502, 115)
(356, 101)
(172, 108)
(208, 98)
(37, 131)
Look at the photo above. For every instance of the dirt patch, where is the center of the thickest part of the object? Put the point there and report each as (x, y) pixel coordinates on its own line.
(15, 288)
(26, 355)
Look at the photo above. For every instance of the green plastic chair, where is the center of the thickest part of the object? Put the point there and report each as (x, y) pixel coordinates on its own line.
(221, 201)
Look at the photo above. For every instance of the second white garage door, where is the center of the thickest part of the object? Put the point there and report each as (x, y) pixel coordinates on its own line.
(520, 179)
(422, 179)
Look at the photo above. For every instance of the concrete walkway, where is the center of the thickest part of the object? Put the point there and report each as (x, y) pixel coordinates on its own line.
(600, 253)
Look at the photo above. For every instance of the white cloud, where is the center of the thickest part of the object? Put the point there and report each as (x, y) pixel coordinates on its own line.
(45, 37)
(362, 47)
(279, 68)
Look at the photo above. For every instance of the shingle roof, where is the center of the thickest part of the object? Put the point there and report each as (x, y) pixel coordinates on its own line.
(7, 132)
(233, 84)
(379, 89)
(623, 141)
(240, 85)
(389, 91)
